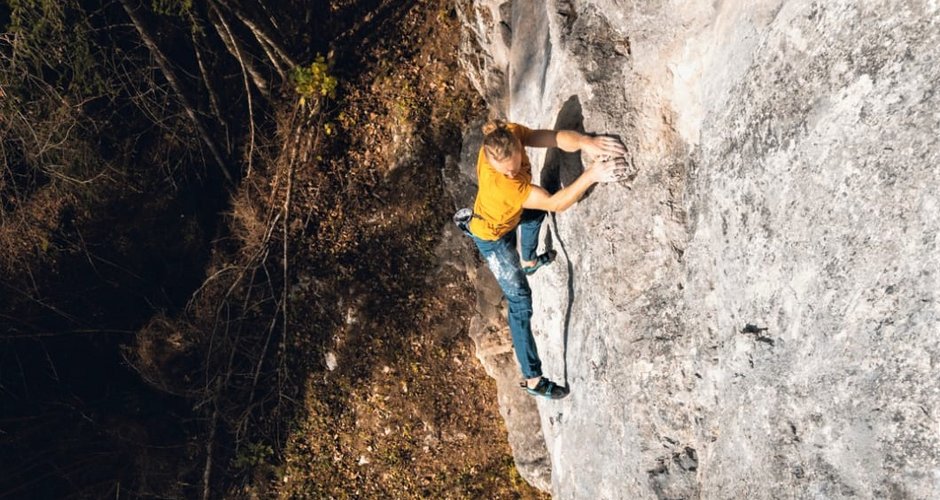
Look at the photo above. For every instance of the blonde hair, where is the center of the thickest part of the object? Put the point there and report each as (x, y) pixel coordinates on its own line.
(499, 142)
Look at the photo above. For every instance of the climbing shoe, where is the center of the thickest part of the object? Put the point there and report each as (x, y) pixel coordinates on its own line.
(544, 259)
(546, 388)
(462, 219)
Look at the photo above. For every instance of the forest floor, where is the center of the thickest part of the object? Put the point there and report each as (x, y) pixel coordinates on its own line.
(395, 402)
(277, 321)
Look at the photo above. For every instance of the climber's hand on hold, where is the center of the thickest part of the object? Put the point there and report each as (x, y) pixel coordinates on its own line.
(606, 169)
(602, 145)
(601, 169)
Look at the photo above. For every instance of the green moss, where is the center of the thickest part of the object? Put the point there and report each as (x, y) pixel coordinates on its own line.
(172, 7)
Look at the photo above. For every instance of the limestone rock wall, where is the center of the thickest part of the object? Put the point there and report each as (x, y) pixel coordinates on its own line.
(786, 173)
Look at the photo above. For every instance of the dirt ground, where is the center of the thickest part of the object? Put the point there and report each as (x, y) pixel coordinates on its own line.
(277, 323)
(395, 402)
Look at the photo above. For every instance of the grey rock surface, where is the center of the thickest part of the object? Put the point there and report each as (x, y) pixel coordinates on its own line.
(787, 166)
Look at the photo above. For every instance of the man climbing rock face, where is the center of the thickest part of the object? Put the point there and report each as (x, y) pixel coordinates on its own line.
(507, 199)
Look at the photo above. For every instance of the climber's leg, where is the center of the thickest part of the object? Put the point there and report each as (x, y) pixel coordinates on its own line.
(529, 227)
(503, 261)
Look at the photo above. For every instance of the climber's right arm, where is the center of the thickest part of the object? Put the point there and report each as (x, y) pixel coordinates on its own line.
(572, 141)
(601, 171)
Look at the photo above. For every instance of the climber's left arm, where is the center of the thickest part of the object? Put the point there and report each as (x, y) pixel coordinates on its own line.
(571, 141)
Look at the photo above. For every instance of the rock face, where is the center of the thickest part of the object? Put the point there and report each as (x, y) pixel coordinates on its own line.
(754, 313)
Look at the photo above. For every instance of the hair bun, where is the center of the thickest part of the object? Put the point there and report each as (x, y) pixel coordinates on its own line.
(492, 126)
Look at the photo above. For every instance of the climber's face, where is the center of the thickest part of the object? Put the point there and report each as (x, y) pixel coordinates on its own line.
(510, 167)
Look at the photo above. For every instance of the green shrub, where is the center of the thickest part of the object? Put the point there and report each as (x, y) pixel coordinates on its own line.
(171, 7)
(314, 82)
(253, 455)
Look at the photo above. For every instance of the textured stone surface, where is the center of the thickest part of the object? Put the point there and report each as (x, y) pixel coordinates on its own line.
(786, 172)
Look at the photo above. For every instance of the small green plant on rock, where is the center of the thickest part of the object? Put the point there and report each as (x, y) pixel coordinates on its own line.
(314, 82)
(172, 7)
(253, 455)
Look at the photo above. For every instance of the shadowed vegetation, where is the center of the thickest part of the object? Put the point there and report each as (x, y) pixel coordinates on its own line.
(189, 247)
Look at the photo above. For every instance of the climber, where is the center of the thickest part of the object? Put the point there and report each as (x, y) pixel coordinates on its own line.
(506, 199)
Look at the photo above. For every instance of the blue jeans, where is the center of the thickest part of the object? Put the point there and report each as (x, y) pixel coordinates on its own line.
(503, 261)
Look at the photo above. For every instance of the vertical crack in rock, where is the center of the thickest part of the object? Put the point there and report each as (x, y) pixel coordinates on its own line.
(559, 170)
(531, 52)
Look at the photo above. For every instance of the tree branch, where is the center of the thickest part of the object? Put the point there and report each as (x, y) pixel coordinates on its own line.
(174, 82)
(263, 36)
(228, 38)
(207, 472)
(213, 98)
(246, 69)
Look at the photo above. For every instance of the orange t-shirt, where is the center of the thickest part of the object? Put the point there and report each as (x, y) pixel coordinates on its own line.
(498, 206)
